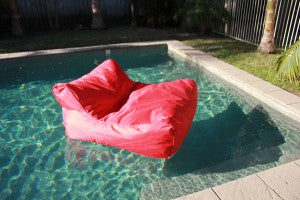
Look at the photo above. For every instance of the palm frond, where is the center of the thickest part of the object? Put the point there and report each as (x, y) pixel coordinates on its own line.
(288, 64)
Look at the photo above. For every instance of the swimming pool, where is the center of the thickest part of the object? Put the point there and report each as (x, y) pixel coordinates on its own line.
(232, 135)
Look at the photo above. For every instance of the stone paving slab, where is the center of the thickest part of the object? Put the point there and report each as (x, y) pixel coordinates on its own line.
(207, 194)
(250, 187)
(281, 182)
(284, 179)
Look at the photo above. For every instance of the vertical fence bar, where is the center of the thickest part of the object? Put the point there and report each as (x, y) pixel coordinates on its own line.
(233, 23)
(232, 14)
(297, 20)
(278, 12)
(259, 13)
(239, 20)
(255, 17)
(286, 25)
(289, 38)
(253, 20)
(262, 21)
(282, 22)
(248, 20)
(289, 24)
(244, 5)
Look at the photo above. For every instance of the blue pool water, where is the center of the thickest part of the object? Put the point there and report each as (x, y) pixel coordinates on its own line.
(232, 134)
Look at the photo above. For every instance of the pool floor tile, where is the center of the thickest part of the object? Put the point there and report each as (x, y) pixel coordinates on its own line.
(284, 179)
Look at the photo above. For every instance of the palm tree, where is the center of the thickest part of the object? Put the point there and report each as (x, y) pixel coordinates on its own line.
(267, 44)
(16, 26)
(97, 20)
(288, 64)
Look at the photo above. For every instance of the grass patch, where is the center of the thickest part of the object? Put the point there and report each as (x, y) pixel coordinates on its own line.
(239, 54)
(245, 57)
(64, 39)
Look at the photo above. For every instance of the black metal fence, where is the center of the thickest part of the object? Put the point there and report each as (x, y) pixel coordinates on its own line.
(38, 14)
(248, 20)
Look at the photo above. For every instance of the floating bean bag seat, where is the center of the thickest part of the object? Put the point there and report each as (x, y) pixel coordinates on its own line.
(108, 108)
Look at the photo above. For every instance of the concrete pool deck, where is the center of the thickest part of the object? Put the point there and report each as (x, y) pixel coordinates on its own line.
(275, 183)
(282, 182)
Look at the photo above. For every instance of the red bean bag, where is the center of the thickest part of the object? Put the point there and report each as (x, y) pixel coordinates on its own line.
(108, 108)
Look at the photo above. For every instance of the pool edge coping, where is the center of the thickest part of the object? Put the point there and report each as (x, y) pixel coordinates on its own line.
(45, 52)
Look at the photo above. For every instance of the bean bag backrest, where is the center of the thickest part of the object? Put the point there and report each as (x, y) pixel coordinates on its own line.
(104, 90)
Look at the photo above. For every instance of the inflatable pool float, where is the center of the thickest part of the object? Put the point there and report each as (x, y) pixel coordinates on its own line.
(106, 107)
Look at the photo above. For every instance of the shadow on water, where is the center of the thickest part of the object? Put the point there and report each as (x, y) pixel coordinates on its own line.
(229, 135)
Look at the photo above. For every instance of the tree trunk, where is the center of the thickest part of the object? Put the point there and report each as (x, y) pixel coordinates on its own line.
(97, 21)
(16, 26)
(267, 44)
(133, 13)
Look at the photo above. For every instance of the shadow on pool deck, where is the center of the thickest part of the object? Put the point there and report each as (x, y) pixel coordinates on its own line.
(229, 135)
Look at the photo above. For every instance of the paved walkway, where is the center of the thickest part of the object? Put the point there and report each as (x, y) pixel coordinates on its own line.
(282, 182)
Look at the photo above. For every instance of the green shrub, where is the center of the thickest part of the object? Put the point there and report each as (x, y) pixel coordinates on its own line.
(5, 15)
(203, 16)
(288, 64)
